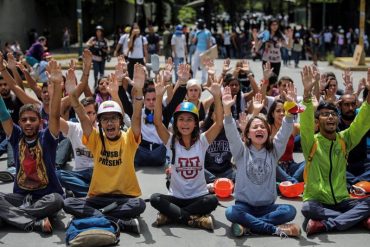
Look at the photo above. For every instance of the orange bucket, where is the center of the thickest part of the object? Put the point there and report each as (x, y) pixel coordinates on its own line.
(287, 189)
(223, 187)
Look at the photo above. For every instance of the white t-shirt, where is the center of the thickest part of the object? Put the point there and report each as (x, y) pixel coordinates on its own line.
(187, 174)
(123, 40)
(227, 40)
(148, 131)
(179, 42)
(137, 51)
(83, 157)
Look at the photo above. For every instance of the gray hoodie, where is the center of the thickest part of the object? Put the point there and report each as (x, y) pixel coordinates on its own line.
(255, 181)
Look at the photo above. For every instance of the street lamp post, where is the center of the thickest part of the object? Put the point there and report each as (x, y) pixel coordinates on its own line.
(79, 27)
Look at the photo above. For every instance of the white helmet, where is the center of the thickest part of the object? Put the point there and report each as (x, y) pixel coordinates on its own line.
(109, 106)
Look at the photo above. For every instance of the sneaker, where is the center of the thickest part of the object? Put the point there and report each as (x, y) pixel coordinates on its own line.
(239, 230)
(204, 222)
(367, 223)
(291, 230)
(43, 226)
(161, 220)
(6, 177)
(315, 226)
(131, 225)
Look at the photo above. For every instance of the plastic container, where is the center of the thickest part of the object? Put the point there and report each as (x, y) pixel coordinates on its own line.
(223, 187)
(287, 189)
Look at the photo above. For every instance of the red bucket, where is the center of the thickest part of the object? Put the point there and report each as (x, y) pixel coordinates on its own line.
(223, 187)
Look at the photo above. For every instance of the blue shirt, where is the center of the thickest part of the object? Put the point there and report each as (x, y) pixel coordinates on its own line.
(46, 146)
(203, 39)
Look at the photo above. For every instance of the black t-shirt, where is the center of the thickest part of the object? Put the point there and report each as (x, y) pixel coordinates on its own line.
(13, 104)
(153, 40)
(218, 155)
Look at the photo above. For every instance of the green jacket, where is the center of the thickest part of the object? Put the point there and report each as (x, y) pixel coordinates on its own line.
(326, 175)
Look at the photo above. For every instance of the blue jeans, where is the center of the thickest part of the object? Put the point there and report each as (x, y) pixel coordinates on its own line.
(3, 145)
(361, 173)
(98, 69)
(211, 177)
(292, 172)
(76, 181)
(263, 219)
(177, 61)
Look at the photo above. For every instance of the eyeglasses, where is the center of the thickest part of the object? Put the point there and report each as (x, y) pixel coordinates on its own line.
(113, 119)
(328, 113)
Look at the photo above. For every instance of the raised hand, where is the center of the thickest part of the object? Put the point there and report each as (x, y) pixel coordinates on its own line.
(214, 89)
(54, 72)
(169, 64)
(243, 121)
(361, 85)
(112, 87)
(72, 64)
(227, 99)
(291, 93)
(245, 65)
(12, 65)
(70, 83)
(323, 82)
(2, 62)
(87, 57)
(258, 103)
(315, 74)
(159, 85)
(267, 71)
(183, 73)
(226, 67)
(348, 81)
(307, 77)
(210, 66)
(139, 76)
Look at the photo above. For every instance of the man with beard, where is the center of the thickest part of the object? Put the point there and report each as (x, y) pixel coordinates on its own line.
(37, 193)
(327, 205)
(358, 168)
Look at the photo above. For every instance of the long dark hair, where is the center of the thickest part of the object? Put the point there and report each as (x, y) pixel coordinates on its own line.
(278, 34)
(268, 144)
(131, 48)
(270, 114)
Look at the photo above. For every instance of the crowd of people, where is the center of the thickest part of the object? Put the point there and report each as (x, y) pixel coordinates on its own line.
(244, 131)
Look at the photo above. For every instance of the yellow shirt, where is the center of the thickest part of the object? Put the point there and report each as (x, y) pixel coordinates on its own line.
(114, 172)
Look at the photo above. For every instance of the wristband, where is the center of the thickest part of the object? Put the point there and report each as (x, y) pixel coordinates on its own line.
(4, 113)
(139, 98)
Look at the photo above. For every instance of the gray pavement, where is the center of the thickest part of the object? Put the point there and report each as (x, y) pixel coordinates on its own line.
(152, 180)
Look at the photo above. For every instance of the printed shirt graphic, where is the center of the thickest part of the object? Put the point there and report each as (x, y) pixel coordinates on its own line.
(259, 169)
(187, 176)
(114, 172)
(35, 169)
(218, 156)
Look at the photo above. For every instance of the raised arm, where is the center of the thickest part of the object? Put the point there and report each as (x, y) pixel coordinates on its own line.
(12, 65)
(30, 81)
(162, 131)
(82, 115)
(55, 81)
(138, 83)
(22, 96)
(215, 129)
(86, 63)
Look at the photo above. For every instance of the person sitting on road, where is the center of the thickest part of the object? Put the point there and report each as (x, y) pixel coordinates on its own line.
(37, 193)
(114, 182)
(326, 203)
(255, 188)
(188, 201)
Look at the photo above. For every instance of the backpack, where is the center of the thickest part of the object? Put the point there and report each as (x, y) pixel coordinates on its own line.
(313, 151)
(92, 231)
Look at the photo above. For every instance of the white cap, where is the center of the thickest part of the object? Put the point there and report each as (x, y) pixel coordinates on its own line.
(109, 106)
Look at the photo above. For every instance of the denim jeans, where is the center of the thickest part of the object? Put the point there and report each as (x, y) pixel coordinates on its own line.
(292, 172)
(211, 177)
(177, 61)
(3, 145)
(262, 219)
(76, 181)
(98, 69)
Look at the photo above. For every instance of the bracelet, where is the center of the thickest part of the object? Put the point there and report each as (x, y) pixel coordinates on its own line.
(139, 98)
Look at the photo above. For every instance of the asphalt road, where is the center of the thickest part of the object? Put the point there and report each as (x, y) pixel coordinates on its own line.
(152, 180)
